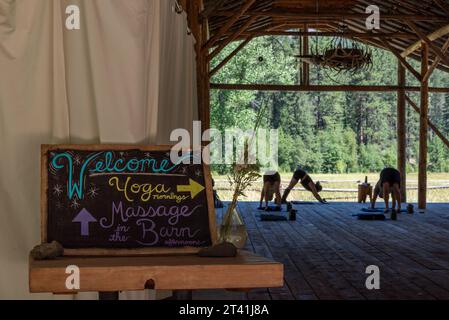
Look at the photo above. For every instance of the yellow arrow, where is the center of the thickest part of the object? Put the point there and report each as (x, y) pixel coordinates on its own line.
(194, 188)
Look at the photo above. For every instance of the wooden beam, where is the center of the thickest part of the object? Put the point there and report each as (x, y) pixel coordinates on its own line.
(429, 43)
(228, 40)
(317, 88)
(230, 56)
(389, 35)
(318, 17)
(443, 5)
(208, 11)
(430, 123)
(402, 131)
(401, 59)
(225, 28)
(423, 130)
(433, 36)
(436, 62)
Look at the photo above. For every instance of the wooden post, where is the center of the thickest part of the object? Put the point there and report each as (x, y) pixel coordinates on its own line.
(402, 131)
(423, 131)
(305, 51)
(205, 82)
(200, 32)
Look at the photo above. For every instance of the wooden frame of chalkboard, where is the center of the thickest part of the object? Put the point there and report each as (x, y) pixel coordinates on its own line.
(45, 149)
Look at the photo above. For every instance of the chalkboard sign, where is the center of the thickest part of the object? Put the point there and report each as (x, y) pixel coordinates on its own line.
(125, 200)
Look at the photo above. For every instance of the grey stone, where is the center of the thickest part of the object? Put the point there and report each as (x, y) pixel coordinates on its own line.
(47, 251)
(222, 250)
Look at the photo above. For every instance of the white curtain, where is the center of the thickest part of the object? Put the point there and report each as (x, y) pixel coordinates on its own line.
(127, 76)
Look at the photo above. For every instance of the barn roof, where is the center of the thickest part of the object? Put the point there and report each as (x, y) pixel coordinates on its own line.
(404, 23)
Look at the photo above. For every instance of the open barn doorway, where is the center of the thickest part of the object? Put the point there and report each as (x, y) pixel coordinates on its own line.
(340, 137)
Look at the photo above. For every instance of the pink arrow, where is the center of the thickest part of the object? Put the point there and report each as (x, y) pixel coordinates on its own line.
(84, 217)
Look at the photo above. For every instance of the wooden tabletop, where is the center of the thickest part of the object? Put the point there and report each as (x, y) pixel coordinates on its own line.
(182, 272)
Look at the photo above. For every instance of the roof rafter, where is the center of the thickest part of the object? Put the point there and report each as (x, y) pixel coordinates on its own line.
(231, 38)
(441, 32)
(333, 16)
(429, 42)
(226, 20)
(225, 28)
(443, 5)
(436, 62)
(210, 10)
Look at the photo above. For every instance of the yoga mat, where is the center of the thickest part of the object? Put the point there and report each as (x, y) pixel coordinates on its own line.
(379, 210)
(301, 203)
(371, 217)
(272, 217)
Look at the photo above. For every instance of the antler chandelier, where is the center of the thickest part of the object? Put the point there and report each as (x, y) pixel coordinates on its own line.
(341, 55)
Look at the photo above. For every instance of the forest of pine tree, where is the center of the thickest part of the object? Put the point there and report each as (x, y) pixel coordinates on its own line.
(326, 132)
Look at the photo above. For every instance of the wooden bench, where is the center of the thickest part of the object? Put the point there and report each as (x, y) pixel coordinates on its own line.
(181, 273)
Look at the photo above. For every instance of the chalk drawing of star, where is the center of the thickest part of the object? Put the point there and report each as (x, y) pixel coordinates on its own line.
(77, 160)
(59, 205)
(93, 192)
(185, 170)
(198, 173)
(57, 190)
(148, 155)
(75, 204)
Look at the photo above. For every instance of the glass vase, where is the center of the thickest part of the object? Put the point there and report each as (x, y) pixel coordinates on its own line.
(232, 228)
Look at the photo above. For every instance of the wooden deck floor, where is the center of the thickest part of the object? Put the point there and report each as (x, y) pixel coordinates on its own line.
(326, 252)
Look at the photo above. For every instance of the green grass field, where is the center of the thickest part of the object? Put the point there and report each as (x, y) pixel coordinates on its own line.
(346, 184)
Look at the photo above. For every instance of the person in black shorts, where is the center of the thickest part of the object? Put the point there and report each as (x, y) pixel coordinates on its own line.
(389, 183)
(302, 176)
(271, 187)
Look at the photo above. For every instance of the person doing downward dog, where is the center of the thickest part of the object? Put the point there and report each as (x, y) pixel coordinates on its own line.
(271, 188)
(389, 183)
(301, 176)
